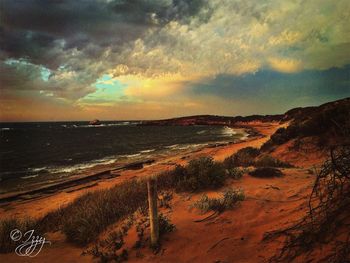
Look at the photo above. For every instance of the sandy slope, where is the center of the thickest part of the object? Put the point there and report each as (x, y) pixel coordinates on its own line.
(234, 236)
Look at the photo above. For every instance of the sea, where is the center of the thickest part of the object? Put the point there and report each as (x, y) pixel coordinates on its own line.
(42, 151)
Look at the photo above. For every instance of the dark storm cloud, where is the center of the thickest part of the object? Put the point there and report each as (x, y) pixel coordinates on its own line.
(18, 77)
(270, 85)
(164, 11)
(33, 28)
(36, 46)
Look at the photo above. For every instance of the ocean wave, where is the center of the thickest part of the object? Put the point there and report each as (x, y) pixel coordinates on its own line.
(147, 151)
(81, 166)
(228, 132)
(172, 146)
(202, 132)
(132, 155)
(38, 170)
(125, 123)
(68, 169)
(194, 146)
(29, 176)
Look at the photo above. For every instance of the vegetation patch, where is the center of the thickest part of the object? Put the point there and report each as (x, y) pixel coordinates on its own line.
(165, 225)
(250, 156)
(243, 157)
(324, 122)
(326, 225)
(236, 173)
(200, 174)
(228, 200)
(266, 172)
(267, 160)
(8, 225)
(89, 215)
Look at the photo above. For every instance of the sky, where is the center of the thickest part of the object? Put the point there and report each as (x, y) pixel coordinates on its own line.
(154, 59)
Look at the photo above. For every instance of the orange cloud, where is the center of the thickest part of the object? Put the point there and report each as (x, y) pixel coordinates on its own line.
(165, 85)
(286, 65)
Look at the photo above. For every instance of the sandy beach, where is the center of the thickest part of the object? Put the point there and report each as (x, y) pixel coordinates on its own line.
(234, 236)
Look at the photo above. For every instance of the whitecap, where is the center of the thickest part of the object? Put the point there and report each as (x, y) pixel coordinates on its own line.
(132, 155)
(148, 151)
(228, 132)
(29, 176)
(201, 132)
(38, 169)
(172, 146)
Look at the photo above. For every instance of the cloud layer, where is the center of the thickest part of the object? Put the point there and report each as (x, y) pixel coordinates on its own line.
(56, 51)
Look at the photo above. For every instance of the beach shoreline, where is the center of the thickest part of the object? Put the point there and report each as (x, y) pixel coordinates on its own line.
(105, 176)
(267, 202)
(56, 163)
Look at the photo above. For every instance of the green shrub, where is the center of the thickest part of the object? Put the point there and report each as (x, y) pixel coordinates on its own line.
(228, 200)
(170, 179)
(199, 174)
(243, 157)
(269, 161)
(165, 225)
(266, 172)
(235, 173)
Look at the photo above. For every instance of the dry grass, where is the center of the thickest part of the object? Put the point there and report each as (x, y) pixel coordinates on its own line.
(6, 226)
(228, 200)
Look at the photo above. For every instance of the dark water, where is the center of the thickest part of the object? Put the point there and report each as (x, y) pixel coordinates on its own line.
(29, 150)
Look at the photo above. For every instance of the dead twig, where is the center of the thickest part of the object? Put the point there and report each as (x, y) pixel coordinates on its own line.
(217, 243)
(211, 216)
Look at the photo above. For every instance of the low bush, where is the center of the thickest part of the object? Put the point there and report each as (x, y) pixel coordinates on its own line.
(243, 157)
(165, 225)
(169, 179)
(228, 200)
(269, 161)
(235, 173)
(200, 174)
(266, 172)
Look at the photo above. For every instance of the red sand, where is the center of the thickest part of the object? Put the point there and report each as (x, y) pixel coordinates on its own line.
(234, 236)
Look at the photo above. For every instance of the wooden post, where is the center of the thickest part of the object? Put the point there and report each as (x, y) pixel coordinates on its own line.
(153, 211)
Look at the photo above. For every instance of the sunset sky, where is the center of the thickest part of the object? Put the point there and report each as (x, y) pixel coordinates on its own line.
(151, 59)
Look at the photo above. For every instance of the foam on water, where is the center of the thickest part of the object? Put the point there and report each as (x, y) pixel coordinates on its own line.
(228, 132)
(148, 151)
(125, 123)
